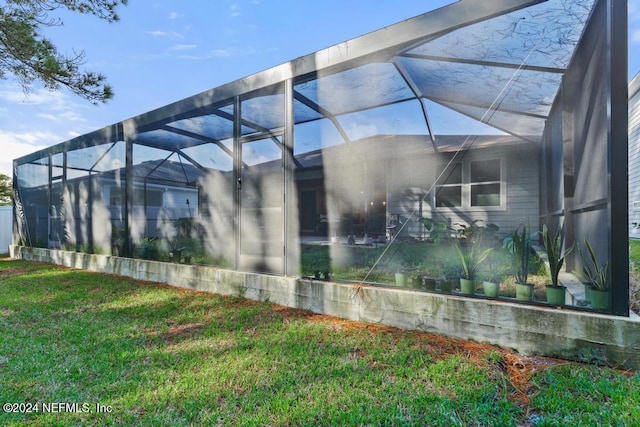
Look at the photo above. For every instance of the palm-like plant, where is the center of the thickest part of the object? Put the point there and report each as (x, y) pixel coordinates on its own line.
(553, 244)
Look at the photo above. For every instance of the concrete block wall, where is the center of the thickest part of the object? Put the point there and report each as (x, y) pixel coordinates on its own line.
(568, 334)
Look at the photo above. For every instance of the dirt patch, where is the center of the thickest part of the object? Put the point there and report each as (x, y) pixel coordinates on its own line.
(12, 271)
(183, 330)
(518, 370)
(176, 332)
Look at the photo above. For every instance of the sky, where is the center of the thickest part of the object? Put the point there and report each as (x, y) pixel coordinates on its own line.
(162, 51)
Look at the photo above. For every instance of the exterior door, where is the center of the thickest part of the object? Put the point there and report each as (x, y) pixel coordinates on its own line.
(261, 187)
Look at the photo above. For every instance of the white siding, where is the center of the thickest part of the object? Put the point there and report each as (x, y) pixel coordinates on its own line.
(634, 157)
(521, 169)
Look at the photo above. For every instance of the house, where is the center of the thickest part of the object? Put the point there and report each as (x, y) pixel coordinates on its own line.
(491, 178)
(634, 157)
(505, 111)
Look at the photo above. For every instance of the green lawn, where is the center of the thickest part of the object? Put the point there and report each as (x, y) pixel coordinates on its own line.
(634, 275)
(155, 355)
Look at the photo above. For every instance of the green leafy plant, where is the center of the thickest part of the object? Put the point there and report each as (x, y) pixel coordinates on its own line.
(470, 257)
(495, 272)
(519, 246)
(147, 242)
(438, 230)
(450, 270)
(553, 245)
(596, 273)
(476, 232)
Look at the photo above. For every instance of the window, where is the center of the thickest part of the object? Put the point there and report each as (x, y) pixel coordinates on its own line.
(636, 206)
(449, 188)
(154, 197)
(471, 184)
(116, 197)
(484, 178)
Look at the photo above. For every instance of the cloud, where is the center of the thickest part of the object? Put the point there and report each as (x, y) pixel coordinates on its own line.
(54, 106)
(235, 10)
(16, 145)
(633, 10)
(51, 117)
(39, 96)
(65, 116)
(184, 47)
(221, 53)
(29, 141)
(165, 34)
(175, 15)
(158, 33)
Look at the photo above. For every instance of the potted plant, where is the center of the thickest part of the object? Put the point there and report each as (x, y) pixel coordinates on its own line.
(491, 281)
(519, 246)
(429, 283)
(429, 278)
(598, 276)
(118, 241)
(579, 274)
(470, 258)
(556, 254)
(147, 248)
(401, 277)
(417, 280)
(451, 273)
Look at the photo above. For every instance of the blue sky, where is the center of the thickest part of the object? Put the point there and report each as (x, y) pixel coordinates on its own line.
(163, 51)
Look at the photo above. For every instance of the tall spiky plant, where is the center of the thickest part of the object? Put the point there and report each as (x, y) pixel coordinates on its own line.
(598, 274)
(471, 257)
(553, 245)
(519, 246)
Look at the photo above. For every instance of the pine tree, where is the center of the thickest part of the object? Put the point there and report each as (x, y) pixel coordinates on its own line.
(6, 190)
(28, 56)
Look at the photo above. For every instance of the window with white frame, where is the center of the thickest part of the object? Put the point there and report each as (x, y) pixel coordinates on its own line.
(471, 184)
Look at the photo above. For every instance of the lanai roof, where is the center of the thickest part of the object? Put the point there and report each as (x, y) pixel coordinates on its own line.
(498, 62)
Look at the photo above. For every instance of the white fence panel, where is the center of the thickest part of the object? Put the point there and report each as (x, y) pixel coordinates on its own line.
(6, 228)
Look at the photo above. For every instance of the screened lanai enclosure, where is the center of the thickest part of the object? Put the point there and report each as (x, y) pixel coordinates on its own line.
(435, 147)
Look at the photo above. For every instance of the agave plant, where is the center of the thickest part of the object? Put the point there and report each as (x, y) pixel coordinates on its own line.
(553, 244)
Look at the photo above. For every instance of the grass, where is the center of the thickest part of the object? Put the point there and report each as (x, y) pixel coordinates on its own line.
(634, 275)
(158, 355)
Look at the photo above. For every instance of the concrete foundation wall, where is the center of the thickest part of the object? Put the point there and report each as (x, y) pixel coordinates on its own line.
(529, 330)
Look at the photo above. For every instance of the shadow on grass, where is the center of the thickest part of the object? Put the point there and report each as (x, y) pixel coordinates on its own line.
(161, 355)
